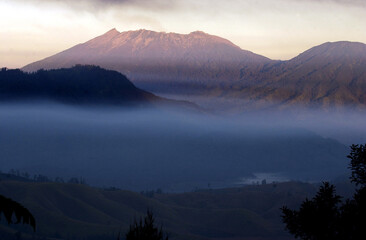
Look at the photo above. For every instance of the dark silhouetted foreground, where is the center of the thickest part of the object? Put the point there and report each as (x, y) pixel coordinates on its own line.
(9, 208)
(146, 229)
(325, 216)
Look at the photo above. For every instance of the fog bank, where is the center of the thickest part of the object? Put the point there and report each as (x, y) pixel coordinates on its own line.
(149, 149)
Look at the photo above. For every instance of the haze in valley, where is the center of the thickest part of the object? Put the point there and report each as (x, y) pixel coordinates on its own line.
(212, 114)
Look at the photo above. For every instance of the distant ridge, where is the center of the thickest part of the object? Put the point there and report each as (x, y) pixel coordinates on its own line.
(330, 75)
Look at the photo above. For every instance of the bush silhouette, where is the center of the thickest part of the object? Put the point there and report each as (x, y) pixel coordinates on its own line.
(145, 229)
(11, 208)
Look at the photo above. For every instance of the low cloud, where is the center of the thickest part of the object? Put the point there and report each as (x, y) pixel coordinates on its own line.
(161, 5)
(341, 2)
(96, 5)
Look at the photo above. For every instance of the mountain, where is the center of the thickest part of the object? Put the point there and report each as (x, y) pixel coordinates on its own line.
(215, 73)
(159, 60)
(326, 76)
(80, 85)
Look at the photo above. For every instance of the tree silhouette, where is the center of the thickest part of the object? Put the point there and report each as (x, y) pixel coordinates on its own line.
(145, 229)
(354, 210)
(325, 217)
(11, 208)
(358, 164)
(317, 218)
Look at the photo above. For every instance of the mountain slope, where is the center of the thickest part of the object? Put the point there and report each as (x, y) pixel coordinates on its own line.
(326, 76)
(160, 59)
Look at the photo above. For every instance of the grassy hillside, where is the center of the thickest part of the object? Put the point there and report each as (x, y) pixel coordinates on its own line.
(73, 211)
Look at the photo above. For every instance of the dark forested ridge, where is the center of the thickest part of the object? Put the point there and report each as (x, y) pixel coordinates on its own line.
(80, 85)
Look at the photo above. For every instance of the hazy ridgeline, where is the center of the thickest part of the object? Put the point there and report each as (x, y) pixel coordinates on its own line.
(175, 151)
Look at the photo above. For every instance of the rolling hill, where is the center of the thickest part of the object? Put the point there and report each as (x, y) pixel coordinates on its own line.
(75, 211)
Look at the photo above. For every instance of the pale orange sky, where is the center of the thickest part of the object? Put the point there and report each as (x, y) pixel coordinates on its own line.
(279, 29)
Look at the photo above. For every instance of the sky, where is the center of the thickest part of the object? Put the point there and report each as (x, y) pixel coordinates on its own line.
(31, 30)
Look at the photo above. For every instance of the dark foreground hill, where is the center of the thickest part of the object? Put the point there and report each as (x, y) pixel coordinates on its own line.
(79, 85)
(73, 211)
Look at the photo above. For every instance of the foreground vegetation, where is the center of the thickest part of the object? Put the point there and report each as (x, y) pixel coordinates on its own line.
(77, 211)
(326, 216)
